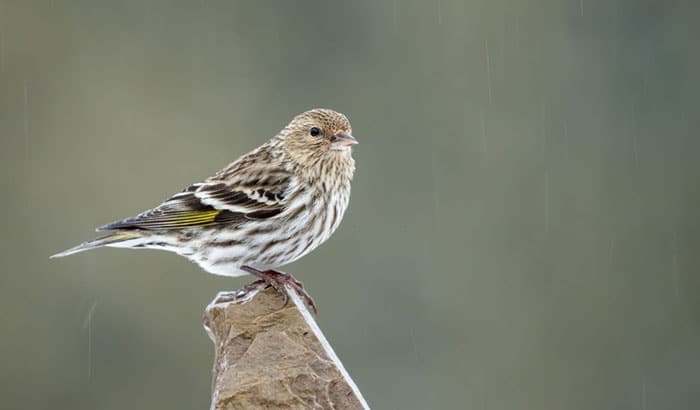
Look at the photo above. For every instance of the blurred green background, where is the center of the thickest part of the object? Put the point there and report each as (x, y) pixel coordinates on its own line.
(523, 231)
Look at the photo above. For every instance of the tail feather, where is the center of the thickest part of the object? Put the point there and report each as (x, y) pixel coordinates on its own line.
(106, 240)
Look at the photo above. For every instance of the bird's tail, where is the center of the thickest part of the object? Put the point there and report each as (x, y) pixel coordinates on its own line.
(107, 240)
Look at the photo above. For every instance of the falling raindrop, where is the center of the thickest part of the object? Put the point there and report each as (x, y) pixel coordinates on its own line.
(543, 123)
(25, 104)
(434, 175)
(645, 81)
(26, 120)
(566, 140)
(633, 126)
(87, 324)
(546, 202)
(413, 341)
(611, 250)
(482, 120)
(488, 71)
(674, 260)
(2, 53)
(482, 396)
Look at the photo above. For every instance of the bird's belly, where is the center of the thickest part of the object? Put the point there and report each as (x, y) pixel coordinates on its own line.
(223, 269)
(267, 244)
(260, 253)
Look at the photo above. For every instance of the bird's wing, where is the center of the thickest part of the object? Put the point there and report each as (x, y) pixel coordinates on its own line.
(216, 201)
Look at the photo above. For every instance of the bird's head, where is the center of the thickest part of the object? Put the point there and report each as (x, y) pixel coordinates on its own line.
(319, 134)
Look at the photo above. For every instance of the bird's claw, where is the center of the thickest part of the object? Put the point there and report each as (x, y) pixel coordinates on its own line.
(244, 293)
(278, 280)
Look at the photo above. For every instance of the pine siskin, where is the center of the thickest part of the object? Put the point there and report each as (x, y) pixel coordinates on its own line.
(267, 209)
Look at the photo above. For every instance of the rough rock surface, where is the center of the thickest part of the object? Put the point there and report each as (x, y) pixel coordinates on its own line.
(272, 356)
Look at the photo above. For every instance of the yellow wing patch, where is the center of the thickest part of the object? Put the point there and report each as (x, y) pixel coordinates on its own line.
(167, 220)
(186, 218)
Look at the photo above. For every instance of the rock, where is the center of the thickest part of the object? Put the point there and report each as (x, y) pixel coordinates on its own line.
(273, 357)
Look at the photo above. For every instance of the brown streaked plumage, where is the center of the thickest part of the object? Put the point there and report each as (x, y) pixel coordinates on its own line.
(268, 208)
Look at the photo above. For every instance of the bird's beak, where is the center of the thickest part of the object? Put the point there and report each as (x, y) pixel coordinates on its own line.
(342, 139)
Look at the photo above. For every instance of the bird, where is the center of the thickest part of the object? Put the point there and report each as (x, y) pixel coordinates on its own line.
(266, 209)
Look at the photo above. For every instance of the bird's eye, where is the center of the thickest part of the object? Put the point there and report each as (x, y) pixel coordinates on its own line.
(315, 132)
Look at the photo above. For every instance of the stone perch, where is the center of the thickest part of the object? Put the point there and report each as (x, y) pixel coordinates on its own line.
(270, 356)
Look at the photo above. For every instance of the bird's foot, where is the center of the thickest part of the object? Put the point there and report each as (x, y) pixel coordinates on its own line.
(241, 295)
(278, 280)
